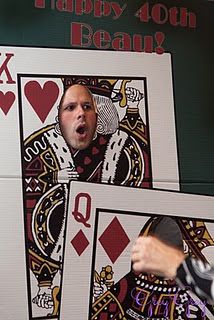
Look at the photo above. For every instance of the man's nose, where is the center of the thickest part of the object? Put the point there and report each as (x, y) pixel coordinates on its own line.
(80, 112)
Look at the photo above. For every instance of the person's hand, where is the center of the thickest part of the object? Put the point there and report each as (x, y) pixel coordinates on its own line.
(150, 255)
(133, 96)
(43, 298)
(66, 175)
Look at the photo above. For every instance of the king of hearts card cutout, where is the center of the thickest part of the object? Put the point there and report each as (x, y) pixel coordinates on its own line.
(132, 146)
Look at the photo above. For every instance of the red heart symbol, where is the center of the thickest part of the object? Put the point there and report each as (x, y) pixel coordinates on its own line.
(6, 101)
(42, 99)
(80, 169)
(102, 140)
(95, 150)
(87, 160)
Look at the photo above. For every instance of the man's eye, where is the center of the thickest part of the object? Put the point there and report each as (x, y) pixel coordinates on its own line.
(87, 106)
(70, 108)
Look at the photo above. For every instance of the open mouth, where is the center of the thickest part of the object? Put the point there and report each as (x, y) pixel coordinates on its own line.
(81, 129)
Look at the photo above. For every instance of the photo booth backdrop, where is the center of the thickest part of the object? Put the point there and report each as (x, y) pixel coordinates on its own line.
(179, 30)
(48, 23)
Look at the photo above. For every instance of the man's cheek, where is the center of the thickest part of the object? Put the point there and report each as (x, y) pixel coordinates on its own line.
(66, 124)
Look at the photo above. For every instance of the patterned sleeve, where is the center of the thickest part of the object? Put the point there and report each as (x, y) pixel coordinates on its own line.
(197, 276)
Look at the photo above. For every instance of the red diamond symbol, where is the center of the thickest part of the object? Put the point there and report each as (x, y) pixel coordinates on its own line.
(80, 242)
(114, 240)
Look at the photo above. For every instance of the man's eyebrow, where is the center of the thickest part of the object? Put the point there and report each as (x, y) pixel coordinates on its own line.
(75, 103)
(88, 101)
(68, 103)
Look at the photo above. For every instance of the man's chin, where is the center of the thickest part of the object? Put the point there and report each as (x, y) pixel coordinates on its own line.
(80, 146)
